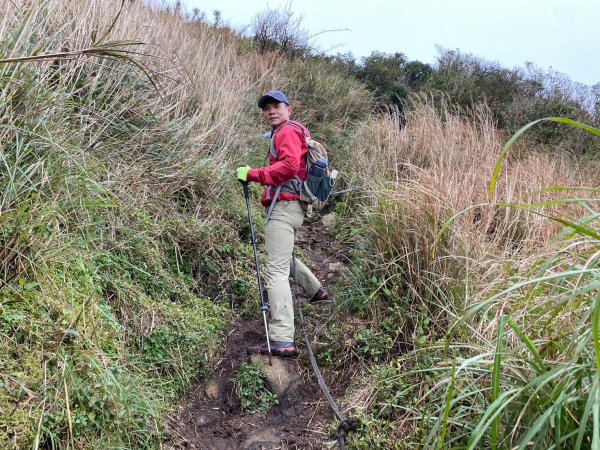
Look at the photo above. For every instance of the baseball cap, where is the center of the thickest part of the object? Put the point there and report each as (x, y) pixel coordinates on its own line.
(272, 95)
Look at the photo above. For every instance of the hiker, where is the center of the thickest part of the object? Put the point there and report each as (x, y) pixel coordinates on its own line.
(286, 217)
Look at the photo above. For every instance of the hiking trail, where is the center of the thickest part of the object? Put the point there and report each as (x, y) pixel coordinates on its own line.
(209, 415)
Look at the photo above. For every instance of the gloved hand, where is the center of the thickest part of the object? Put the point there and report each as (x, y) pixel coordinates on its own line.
(242, 173)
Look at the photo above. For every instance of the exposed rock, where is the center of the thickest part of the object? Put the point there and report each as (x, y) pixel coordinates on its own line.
(201, 420)
(280, 377)
(328, 221)
(262, 440)
(212, 388)
(336, 267)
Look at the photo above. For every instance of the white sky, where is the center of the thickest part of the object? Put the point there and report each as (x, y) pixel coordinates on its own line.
(550, 33)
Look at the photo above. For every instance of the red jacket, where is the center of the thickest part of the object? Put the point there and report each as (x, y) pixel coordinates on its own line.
(291, 149)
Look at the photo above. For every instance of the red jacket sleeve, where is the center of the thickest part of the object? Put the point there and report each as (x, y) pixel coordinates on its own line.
(289, 143)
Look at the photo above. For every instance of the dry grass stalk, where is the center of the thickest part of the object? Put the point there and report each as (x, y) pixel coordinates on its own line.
(436, 164)
(203, 82)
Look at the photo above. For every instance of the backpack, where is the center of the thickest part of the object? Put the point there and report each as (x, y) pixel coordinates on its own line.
(318, 186)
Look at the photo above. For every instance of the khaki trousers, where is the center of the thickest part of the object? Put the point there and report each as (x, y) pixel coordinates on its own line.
(286, 218)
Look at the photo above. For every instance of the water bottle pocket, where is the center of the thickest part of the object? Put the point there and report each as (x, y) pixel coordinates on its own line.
(318, 188)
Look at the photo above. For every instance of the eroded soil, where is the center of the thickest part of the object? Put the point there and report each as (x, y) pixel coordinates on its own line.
(210, 417)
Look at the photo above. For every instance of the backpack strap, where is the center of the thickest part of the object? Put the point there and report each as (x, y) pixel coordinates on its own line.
(272, 205)
(272, 149)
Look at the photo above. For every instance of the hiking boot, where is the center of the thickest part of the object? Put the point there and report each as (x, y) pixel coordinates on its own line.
(283, 349)
(321, 296)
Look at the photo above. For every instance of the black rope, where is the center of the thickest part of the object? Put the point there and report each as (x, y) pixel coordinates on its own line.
(346, 424)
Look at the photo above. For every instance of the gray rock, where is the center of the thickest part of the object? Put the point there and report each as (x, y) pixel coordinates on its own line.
(262, 440)
(336, 267)
(328, 221)
(280, 377)
(211, 389)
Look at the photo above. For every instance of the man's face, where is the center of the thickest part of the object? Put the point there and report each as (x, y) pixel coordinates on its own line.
(275, 113)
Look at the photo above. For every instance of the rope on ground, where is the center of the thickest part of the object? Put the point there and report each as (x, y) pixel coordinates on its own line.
(346, 424)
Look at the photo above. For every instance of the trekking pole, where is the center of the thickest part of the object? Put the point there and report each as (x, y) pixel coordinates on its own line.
(263, 304)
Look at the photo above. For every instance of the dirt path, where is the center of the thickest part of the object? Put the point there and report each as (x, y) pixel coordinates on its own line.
(209, 416)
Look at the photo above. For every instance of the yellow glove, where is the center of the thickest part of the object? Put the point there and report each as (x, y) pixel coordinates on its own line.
(242, 173)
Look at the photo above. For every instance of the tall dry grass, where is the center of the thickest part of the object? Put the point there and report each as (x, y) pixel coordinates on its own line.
(117, 119)
(158, 104)
(443, 251)
(200, 93)
(435, 164)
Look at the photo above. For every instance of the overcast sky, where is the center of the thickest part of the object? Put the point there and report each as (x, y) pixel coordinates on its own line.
(550, 33)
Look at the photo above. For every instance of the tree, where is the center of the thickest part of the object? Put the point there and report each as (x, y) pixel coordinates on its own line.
(217, 18)
(384, 75)
(467, 80)
(416, 74)
(280, 30)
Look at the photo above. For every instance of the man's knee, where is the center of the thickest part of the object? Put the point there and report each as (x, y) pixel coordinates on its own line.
(276, 278)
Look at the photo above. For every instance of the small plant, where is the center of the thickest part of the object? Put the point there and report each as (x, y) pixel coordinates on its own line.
(251, 389)
(373, 345)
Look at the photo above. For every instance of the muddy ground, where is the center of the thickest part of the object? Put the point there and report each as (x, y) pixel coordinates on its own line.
(209, 416)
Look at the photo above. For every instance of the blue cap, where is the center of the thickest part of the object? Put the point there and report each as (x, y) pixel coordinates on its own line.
(272, 95)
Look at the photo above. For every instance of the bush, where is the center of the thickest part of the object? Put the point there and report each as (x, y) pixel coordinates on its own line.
(309, 82)
(251, 390)
(280, 30)
(429, 244)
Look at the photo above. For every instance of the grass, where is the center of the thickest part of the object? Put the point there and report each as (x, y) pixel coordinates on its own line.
(123, 241)
(552, 401)
(471, 361)
(251, 390)
(123, 236)
(107, 254)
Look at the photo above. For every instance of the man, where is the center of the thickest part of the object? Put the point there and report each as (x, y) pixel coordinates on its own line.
(287, 166)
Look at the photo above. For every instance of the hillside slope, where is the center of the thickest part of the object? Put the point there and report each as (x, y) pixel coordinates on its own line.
(465, 319)
(120, 226)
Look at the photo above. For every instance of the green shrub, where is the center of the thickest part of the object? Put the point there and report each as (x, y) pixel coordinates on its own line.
(311, 80)
(252, 392)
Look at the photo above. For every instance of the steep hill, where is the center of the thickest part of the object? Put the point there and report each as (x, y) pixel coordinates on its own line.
(466, 317)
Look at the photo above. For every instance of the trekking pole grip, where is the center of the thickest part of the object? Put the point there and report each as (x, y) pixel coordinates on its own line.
(245, 186)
